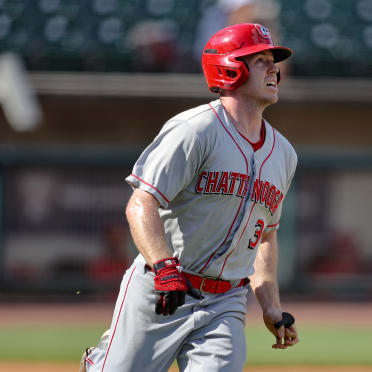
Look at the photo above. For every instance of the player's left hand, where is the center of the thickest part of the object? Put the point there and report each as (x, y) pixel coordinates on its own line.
(285, 335)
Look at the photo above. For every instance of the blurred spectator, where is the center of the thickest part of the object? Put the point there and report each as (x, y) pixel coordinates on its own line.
(216, 17)
(340, 257)
(229, 12)
(108, 269)
(154, 47)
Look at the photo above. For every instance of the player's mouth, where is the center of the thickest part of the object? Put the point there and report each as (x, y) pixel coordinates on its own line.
(271, 84)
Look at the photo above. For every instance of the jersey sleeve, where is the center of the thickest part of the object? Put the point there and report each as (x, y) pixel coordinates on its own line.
(275, 220)
(169, 163)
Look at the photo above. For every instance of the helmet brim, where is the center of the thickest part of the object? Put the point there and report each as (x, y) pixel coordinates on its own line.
(280, 53)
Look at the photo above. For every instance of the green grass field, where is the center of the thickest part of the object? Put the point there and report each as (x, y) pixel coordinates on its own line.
(320, 345)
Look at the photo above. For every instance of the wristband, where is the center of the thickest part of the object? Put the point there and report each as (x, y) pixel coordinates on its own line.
(165, 262)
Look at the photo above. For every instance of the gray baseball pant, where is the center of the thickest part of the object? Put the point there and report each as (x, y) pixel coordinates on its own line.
(203, 335)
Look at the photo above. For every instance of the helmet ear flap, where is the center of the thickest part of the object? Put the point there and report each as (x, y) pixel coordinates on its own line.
(224, 73)
(239, 73)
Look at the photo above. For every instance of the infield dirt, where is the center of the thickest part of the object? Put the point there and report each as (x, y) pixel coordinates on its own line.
(309, 313)
(314, 313)
(72, 367)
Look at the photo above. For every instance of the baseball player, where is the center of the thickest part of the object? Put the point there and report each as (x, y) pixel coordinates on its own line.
(204, 214)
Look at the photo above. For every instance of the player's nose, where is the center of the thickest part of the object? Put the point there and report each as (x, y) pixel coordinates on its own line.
(273, 68)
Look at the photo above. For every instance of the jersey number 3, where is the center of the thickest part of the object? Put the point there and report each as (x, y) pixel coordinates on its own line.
(260, 224)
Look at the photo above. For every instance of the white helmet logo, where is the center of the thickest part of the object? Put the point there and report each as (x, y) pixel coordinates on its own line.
(264, 32)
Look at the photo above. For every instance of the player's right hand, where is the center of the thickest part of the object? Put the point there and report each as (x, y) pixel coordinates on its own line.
(170, 286)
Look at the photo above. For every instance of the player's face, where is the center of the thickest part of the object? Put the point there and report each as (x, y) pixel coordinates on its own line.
(261, 85)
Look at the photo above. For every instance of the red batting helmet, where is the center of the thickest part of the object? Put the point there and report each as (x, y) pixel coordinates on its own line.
(221, 65)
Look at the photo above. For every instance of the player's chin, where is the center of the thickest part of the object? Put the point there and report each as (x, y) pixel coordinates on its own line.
(274, 98)
(270, 100)
(271, 93)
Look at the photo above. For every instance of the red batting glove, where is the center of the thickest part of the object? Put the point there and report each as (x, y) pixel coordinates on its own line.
(170, 286)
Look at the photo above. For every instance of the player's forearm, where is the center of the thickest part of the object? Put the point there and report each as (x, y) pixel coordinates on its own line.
(146, 226)
(267, 293)
(264, 282)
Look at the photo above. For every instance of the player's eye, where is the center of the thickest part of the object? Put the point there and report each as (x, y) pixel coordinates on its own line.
(265, 61)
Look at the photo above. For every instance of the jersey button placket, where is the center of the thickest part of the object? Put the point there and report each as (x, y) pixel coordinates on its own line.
(251, 178)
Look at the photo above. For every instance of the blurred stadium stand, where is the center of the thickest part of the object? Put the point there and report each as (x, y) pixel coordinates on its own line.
(109, 73)
(99, 35)
(330, 37)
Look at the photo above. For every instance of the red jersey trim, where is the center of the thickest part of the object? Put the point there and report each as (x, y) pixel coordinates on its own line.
(272, 149)
(254, 204)
(276, 224)
(117, 319)
(87, 359)
(140, 179)
(241, 202)
(227, 257)
(257, 145)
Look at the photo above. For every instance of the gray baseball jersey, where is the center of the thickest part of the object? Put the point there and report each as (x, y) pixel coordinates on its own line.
(217, 195)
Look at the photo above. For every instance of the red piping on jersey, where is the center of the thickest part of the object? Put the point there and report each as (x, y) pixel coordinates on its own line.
(241, 202)
(275, 224)
(224, 263)
(257, 145)
(87, 359)
(140, 179)
(254, 204)
(272, 149)
(259, 179)
(117, 320)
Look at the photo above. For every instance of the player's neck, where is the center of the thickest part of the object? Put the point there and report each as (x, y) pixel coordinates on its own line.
(245, 116)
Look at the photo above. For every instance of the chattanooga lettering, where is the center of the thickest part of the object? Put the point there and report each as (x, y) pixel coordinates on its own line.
(225, 183)
(234, 183)
(267, 194)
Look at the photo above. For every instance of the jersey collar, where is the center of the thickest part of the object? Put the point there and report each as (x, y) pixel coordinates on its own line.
(267, 142)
